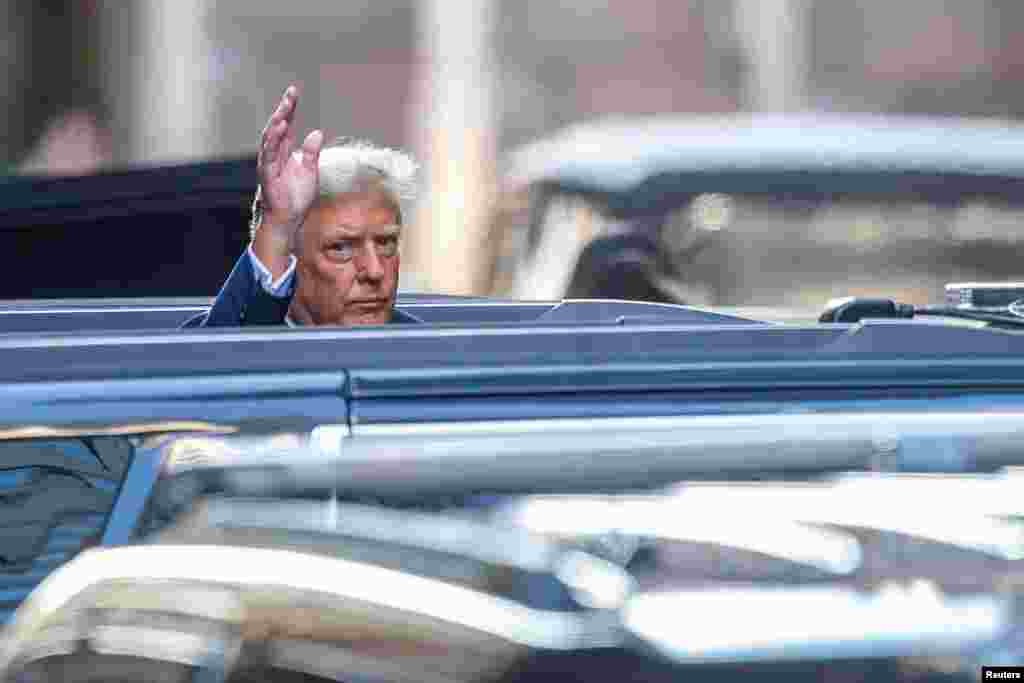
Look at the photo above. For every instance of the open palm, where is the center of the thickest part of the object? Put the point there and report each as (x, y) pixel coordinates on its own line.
(288, 179)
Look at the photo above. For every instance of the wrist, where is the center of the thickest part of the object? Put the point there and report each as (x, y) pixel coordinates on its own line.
(273, 248)
(278, 221)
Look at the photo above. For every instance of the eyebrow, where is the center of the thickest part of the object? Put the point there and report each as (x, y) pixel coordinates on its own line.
(346, 231)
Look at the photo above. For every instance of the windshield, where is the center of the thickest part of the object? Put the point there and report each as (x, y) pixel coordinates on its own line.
(770, 250)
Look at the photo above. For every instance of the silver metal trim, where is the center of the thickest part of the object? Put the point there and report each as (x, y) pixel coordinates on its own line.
(328, 440)
(914, 505)
(884, 426)
(511, 546)
(830, 551)
(657, 451)
(179, 336)
(780, 624)
(243, 568)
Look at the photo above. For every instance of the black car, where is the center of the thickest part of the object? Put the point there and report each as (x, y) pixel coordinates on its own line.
(125, 445)
(512, 490)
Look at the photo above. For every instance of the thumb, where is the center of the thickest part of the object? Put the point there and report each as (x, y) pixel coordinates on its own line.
(311, 149)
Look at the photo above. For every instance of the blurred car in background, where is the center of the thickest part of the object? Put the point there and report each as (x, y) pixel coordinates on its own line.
(757, 210)
(171, 232)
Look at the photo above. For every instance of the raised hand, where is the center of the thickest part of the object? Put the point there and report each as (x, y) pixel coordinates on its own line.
(288, 182)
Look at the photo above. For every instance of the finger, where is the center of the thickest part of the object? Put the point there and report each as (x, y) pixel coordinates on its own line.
(288, 144)
(286, 107)
(290, 101)
(311, 148)
(270, 152)
(271, 140)
(284, 112)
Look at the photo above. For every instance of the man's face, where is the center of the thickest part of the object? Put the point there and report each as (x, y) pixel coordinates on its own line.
(348, 261)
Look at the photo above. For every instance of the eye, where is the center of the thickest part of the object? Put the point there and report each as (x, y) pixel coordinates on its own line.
(340, 250)
(387, 246)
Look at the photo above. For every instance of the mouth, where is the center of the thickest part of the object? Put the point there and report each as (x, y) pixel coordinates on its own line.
(369, 304)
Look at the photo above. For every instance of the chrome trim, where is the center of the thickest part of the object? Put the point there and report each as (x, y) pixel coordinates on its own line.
(829, 551)
(679, 447)
(777, 624)
(965, 511)
(394, 592)
(53, 641)
(180, 336)
(328, 661)
(328, 440)
(193, 649)
(509, 546)
(594, 583)
(884, 426)
(955, 510)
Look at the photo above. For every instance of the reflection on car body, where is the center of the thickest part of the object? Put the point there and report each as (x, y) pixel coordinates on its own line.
(258, 577)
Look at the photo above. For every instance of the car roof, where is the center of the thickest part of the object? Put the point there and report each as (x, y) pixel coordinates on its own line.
(617, 155)
(206, 184)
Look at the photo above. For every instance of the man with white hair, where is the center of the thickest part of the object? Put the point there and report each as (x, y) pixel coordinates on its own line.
(325, 231)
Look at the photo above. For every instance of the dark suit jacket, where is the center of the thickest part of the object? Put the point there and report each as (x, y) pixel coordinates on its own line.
(242, 301)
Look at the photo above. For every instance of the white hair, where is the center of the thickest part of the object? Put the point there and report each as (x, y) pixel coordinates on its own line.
(351, 165)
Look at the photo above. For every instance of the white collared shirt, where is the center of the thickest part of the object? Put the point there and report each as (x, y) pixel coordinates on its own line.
(280, 288)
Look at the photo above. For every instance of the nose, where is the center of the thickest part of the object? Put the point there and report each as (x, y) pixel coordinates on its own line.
(369, 265)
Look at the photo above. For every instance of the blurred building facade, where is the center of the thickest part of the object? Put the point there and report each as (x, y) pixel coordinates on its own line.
(158, 81)
(213, 69)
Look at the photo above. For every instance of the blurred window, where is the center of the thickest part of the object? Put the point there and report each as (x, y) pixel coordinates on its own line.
(56, 495)
(746, 249)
